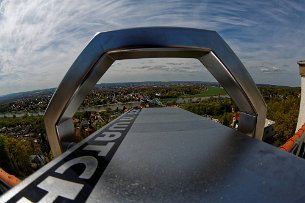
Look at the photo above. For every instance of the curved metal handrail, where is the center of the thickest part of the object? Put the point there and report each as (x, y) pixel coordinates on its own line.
(154, 42)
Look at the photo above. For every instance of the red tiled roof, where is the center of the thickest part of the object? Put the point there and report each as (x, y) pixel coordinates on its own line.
(291, 141)
(8, 178)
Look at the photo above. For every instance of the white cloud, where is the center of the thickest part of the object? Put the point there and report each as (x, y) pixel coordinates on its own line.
(272, 69)
(265, 70)
(40, 39)
(157, 69)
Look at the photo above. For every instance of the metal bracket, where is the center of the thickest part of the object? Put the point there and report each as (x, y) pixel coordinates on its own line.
(154, 42)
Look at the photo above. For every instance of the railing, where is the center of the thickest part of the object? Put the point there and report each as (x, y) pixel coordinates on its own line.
(156, 42)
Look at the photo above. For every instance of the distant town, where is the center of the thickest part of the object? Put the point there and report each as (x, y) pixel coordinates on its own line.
(23, 141)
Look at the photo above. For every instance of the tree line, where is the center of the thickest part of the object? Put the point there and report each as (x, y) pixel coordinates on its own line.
(282, 107)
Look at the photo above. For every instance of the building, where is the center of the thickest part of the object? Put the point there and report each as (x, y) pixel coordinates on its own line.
(301, 119)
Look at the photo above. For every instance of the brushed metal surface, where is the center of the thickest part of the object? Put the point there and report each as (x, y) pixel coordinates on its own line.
(172, 155)
(204, 45)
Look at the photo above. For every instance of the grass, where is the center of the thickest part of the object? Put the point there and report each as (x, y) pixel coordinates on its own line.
(212, 91)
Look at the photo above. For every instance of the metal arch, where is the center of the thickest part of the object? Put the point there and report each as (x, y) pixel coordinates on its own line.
(153, 42)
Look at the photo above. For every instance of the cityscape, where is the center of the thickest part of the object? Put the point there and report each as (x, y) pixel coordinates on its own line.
(21, 120)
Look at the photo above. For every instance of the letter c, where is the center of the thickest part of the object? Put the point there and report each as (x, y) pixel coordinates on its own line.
(89, 161)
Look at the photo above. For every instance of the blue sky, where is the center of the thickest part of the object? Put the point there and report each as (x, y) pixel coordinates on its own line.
(39, 39)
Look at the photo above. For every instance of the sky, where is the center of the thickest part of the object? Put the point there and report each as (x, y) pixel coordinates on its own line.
(39, 40)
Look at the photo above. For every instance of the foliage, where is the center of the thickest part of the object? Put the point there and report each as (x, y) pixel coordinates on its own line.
(226, 118)
(15, 156)
(283, 108)
(173, 91)
(282, 104)
(36, 121)
(36, 128)
(4, 108)
(4, 158)
(93, 121)
(209, 92)
(217, 108)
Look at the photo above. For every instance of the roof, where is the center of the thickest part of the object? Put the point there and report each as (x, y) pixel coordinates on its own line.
(8, 178)
(288, 145)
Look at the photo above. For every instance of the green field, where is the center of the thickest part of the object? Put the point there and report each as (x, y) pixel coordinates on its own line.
(212, 91)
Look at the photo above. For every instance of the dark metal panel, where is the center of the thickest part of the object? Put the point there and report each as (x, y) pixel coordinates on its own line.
(207, 163)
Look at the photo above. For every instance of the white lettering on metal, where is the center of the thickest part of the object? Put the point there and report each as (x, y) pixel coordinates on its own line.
(126, 118)
(57, 187)
(108, 136)
(119, 126)
(102, 149)
(89, 161)
(24, 200)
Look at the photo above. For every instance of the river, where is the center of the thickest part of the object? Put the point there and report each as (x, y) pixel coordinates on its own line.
(109, 106)
(81, 109)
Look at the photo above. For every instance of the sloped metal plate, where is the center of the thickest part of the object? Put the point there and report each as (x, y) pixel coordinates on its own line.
(169, 155)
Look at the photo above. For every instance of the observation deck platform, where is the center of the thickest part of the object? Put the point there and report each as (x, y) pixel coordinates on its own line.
(171, 155)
